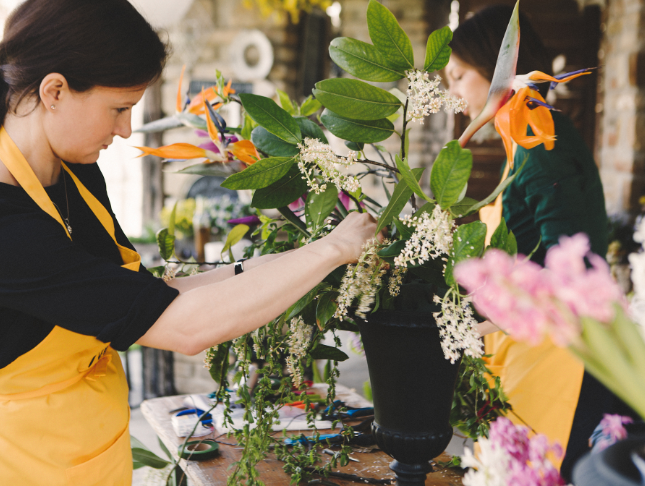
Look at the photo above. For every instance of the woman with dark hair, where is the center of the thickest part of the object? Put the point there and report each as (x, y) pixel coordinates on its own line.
(558, 192)
(72, 290)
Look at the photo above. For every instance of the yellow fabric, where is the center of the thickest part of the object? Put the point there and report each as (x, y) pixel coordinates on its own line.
(64, 404)
(542, 383)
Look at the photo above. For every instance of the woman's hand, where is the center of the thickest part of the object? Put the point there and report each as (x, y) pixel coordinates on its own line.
(352, 233)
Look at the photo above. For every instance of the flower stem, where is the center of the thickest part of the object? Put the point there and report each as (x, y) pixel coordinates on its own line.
(293, 219)
(379, 164)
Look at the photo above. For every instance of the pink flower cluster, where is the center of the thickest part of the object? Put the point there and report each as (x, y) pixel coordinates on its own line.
(610, 430)
(529, 301)
(510, 457)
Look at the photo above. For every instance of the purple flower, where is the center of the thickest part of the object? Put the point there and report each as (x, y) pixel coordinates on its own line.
(612, 425)
(249, 220)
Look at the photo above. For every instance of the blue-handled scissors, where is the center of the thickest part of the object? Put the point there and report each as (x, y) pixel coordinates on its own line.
(206, 419)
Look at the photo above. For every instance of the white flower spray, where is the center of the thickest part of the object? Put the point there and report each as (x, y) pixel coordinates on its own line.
(317, 158)
(362, 281)
(432, 238)
(425, 97)
(457, 327)
(298, 341)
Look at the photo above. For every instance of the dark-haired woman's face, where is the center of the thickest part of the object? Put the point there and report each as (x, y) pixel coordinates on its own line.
(466, 82)
(85, 123)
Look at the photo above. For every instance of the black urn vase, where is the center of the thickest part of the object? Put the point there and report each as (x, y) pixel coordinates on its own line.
(412, 388)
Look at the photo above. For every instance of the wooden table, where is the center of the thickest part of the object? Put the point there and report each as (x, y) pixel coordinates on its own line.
(214, 472)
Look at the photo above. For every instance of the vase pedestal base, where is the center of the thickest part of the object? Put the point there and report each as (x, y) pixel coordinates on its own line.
(410, 474)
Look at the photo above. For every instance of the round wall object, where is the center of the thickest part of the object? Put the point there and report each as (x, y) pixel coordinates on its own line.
(251, 55)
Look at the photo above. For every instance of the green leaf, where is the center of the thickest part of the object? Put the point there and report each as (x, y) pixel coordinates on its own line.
(354, 99)
(355, 146)
(460, 209)
(450, 173)
(404, 230)
(388, 37)
(164, 448)
(247, 128)
(285, 102)
(157, 271)
(282, 192)
(319, 206)
(219, 363)
(268, 143)
(171, 222)
(360, 131)
(399, 199)
(234, 236)
(409, 178)
(261, 174)
(362, 60)
(438, 50)
(205, 169)
(511, 244)
(393, 250)
(309, 129)
(500, 236)
(166, 243)
(328, 352)
(265, 112)
(426, 208)
(304, 301)
(149, 458)
(310, 106)
(137, 465)
(326, 308)
(468, 241)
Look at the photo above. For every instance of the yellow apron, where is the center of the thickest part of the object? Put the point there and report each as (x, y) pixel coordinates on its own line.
(542, 382)
(64, 411)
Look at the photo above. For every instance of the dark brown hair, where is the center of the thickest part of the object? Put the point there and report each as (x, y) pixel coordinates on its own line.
(90, 42)
(478, 39)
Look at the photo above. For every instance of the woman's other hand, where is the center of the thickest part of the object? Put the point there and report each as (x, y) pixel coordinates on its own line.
(352, 233)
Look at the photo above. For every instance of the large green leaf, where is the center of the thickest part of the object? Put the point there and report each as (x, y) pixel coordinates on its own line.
(409, 179)
(265, 112)
(319, 206)
(360, 131)
(322, 351)
(438, 50)
(468, 242)
(388, 36)
(450, 173)
(309, 129)
(148, 458)
(261, 174)
(282, 192)
(362, 60)
(400, 197)
(268, 143)
(460, 209)
(354, 99)
(235, 236)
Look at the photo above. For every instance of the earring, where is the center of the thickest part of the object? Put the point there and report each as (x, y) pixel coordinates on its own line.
(53, 107)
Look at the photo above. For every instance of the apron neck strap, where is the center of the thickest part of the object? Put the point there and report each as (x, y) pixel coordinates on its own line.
(21, 170)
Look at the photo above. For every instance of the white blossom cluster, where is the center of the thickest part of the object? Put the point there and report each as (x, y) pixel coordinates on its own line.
(210, 355)
(489, 468)
(425, 97)
(362, 281)
(457, 328)
(432, 237)
(317, 158)
(298, 344)
(396, 279)
(637, 263)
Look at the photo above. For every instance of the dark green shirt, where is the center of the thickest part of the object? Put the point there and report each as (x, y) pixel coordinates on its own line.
(558, 192)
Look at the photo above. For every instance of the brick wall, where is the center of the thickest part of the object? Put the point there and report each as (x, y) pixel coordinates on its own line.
(621, 120)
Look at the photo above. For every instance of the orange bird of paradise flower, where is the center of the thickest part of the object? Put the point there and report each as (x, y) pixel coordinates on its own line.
(196, 105)
(515, 102)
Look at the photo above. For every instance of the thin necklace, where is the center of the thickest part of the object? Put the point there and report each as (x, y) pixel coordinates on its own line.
(66, 219)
